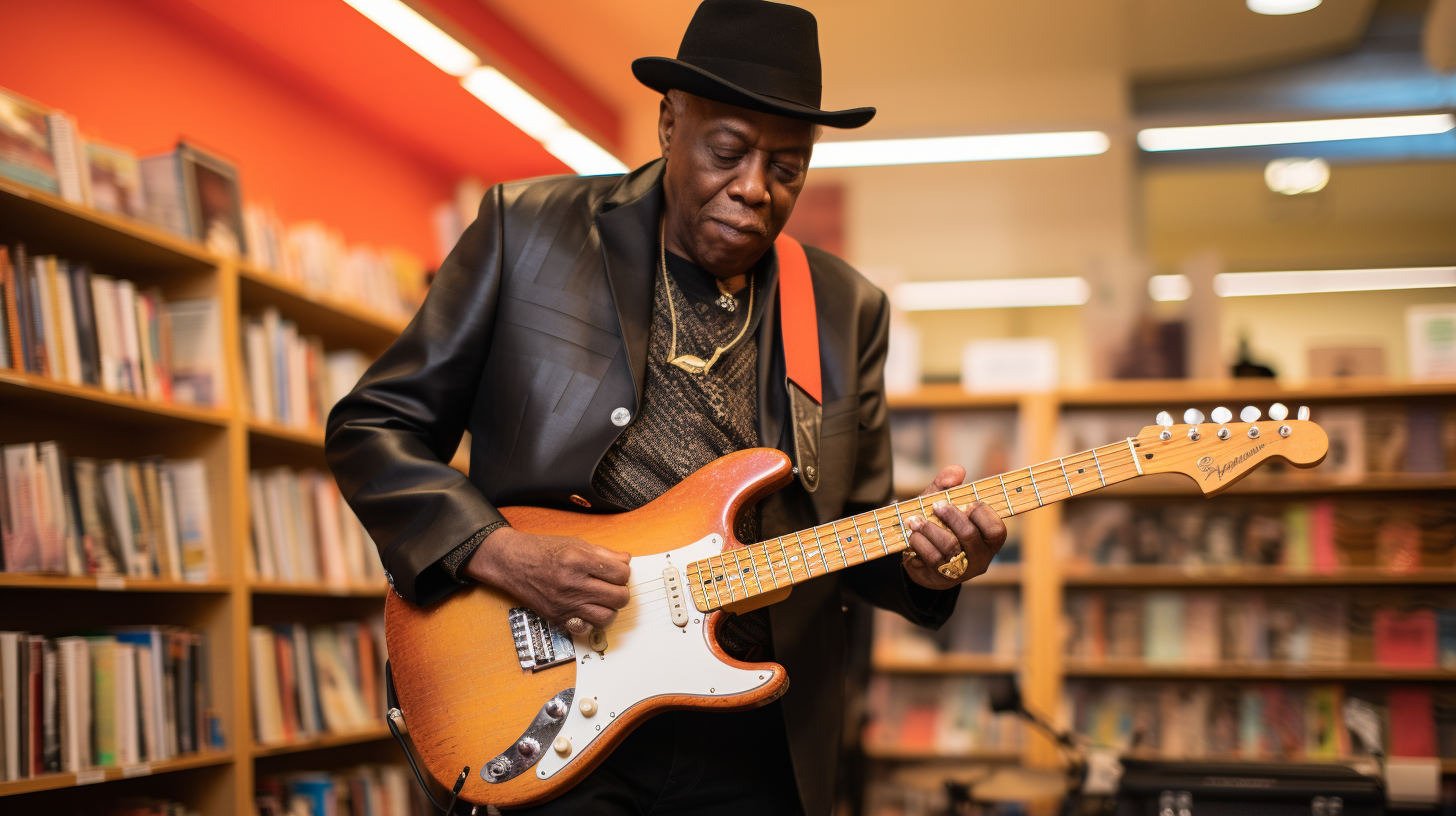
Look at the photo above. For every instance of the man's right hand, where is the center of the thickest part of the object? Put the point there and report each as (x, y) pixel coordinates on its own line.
(557, 577)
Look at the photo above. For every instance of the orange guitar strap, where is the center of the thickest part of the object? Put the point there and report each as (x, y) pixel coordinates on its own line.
(799, 323)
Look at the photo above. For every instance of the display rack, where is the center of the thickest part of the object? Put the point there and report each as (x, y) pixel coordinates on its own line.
(1043, 668)
(92, 422)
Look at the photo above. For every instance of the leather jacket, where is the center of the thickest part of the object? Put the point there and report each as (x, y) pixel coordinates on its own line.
(533, 337)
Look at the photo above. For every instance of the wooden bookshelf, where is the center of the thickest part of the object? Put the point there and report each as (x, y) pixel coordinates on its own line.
(326, 741)
(92, 422)
(92, 776)
(1044, 577)
(317, 590)
(888, 752)
(1142, 670)
(1175, 577)
(949, 663)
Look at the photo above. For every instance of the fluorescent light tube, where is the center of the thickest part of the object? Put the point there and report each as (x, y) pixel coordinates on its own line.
(1205, 137)
(882, 152)
(513, 102)
(583, 155)
(1169, 288)
(420, 34)
(1005, 293)
(1251, 284)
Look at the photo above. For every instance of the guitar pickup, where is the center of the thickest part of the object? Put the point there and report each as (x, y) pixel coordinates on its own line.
(676, 604)
(539, 643)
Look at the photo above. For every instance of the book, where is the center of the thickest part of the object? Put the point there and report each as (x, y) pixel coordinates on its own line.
(1405, 639)
(303, 531)
(115, 181)
(23, 544)
(1412, 720)
(1431, 342)
(198, 375)
(67, 156)
(25, 143)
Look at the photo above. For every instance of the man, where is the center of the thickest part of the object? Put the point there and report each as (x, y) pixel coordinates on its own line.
(603, 338)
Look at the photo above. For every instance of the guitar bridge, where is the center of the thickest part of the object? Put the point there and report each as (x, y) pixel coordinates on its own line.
(539, 643)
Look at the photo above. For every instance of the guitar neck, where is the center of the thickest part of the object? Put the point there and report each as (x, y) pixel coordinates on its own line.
(746, 572)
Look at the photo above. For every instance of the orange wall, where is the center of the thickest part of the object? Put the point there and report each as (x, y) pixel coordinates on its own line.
(134, 79)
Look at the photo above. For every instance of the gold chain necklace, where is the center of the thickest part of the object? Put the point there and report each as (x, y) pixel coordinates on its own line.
(689, 362)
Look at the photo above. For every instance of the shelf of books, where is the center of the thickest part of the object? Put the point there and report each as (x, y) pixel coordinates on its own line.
(179, 576)
(1246, 626)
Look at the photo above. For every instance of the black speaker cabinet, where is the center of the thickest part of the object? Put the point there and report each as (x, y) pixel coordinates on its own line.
(1246, 789)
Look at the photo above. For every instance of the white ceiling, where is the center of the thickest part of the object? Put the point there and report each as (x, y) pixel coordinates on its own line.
(943, 66)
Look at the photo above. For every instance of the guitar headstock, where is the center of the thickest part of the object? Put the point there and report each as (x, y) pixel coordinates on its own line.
(1216, 454)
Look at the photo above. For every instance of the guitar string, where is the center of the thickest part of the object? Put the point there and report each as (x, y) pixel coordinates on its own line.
(1048, 470)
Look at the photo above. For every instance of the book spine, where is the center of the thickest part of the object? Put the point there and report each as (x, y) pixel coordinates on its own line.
(13, 311)
(20, 263)
(41, 327)
(85, 314)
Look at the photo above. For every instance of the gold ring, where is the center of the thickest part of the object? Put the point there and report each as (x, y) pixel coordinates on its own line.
(954, 568)
(577, 626)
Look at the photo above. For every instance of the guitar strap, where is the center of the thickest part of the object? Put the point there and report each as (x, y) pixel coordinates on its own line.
(799, 324)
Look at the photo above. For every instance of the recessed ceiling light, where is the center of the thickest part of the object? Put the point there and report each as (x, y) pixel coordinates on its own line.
(1005, 293)
(1281, 7)
(1205, 137)
(938, 150)
(1297, 176)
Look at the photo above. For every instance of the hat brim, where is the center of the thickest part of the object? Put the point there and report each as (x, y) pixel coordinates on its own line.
(663, 74)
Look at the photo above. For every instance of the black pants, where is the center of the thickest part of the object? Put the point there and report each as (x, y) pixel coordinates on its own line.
(691, 762)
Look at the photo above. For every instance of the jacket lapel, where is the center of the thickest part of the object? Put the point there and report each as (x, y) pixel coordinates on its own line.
(627, 222)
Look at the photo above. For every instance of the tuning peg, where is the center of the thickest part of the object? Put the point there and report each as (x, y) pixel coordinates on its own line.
(1164, 418)
(1249, 414)
(1192, 416)
(1303, 414)
(1222, 415)
(1278, 412)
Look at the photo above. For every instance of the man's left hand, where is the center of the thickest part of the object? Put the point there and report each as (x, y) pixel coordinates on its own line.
(976, 531)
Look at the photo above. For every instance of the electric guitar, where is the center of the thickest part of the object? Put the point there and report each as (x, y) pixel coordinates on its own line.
(517, 710)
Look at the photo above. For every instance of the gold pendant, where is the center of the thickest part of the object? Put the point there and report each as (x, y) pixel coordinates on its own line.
(690, 363)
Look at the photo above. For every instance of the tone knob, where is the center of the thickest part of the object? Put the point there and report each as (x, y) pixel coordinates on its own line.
(1278, 412)
(1192, 416)
(1249, 414)
(562, 745)
(1222, 415)
(588, 706)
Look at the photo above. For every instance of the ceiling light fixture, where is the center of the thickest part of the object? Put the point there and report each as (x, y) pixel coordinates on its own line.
(1296, 176)
(1252, 284)
(1004, 293)
(1205, 137)
(1001, 147)
(412, 29)
(1169, 288)
(491, 86)
(1280, 7)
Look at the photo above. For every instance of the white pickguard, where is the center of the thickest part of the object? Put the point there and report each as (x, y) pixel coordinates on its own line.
(647, 656)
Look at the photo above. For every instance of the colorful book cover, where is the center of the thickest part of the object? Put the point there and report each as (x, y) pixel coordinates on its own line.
(1405, 639)
(1412, 721)
(1325, 735)
(1323, 555)
(25, 143)
(1251, 723)
(1297, 549)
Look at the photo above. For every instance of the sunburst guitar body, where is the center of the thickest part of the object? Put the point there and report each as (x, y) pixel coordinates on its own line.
(529, 709)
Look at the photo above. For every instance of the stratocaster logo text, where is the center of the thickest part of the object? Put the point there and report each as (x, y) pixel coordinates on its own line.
(1210, 469)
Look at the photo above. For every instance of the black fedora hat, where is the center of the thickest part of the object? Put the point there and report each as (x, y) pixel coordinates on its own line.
(752, 54)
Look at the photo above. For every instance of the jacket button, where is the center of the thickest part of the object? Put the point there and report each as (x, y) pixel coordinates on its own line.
(621, 417)
(579, 500)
